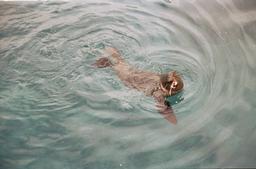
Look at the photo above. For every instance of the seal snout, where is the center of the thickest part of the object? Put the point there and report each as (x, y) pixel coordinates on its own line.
(173, 84)
(177, 84)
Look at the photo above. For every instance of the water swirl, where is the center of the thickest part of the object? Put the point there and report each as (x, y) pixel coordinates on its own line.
(55, 105)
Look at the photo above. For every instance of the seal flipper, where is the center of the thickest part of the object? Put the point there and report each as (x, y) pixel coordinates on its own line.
(164, 108)
(168, 113)
(113, 57)
(102, 62)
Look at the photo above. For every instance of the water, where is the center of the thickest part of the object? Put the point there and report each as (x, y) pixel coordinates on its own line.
(59, 112)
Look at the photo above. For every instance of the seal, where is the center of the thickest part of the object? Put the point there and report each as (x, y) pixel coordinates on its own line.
(159, 86)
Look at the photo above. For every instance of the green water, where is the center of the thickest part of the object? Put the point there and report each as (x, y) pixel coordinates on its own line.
(58, 112)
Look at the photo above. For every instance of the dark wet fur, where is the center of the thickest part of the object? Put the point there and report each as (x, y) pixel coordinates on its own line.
(148, 82)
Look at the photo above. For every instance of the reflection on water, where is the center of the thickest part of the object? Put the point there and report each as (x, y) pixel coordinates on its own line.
(59, 112)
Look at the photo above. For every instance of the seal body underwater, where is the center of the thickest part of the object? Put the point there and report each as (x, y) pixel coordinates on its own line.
(159, 86)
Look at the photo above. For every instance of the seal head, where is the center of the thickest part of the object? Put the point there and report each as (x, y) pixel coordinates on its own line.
(171, 83)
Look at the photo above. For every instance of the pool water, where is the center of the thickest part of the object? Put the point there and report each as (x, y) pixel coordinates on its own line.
(57, 111)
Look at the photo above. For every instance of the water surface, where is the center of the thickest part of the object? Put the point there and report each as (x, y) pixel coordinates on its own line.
(56, 111)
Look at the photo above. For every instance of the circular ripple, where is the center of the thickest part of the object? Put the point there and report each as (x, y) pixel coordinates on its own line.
(47, 81)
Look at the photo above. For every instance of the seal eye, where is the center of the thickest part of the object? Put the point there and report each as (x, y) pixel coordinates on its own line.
(174, 84)
(170, 82)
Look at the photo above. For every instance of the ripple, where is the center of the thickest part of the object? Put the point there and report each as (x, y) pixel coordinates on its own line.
(53, 102)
